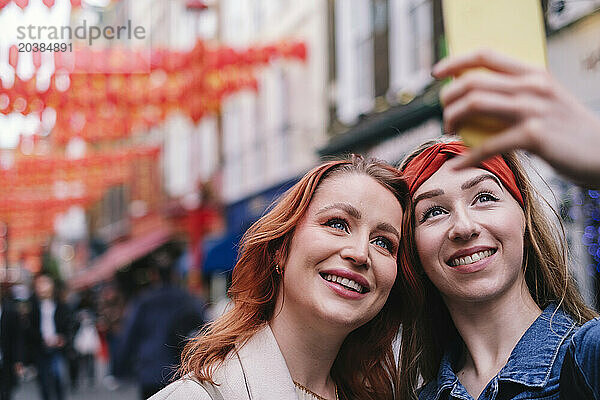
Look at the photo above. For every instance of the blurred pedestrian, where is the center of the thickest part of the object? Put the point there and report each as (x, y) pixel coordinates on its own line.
(540, 115)
(47, 336)
(147, 335)
(86, 344)
(84, 341)
(315, 299)
(11, 345)
(110, 313)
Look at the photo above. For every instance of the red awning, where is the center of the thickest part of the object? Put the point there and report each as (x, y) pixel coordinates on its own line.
(118, 256)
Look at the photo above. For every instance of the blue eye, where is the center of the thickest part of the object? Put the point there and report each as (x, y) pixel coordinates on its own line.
(484, 197)
(337, 223)
(384, 243)
(431, 212)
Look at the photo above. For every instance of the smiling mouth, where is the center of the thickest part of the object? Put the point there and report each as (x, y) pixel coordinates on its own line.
(470, 259)
(346, 283)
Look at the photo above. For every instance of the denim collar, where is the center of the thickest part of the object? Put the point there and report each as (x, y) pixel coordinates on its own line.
(530, 362)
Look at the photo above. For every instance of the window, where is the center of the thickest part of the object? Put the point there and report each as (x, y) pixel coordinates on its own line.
(411, 30)
(381, 47)
(354, 59)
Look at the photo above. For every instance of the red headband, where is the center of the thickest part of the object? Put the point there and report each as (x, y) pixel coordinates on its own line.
(420, 168)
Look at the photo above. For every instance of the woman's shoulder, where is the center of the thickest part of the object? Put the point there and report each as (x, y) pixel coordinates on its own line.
(588, 331)
(429, 391)
(182, 389)
(580, 374)
(585, 343)
(229, 384)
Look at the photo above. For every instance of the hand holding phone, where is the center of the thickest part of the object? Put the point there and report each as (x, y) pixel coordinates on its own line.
(514, 28)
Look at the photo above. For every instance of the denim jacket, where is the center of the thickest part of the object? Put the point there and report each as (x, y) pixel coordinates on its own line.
(533, 370)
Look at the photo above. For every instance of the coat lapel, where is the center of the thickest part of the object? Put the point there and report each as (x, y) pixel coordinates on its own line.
(265, 368)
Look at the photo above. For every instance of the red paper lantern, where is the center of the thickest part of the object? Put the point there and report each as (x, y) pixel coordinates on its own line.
(21, 3)
(299, 51)
(5, 103)
(227, 56)
(13, 56)
(198, 51)
(37, 59)
(48, 3)
(4, 3)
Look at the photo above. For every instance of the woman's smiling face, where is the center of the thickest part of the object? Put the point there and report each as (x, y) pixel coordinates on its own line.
(342, 260)
(469, 234)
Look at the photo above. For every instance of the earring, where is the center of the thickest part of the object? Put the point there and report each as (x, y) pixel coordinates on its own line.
(278, 269)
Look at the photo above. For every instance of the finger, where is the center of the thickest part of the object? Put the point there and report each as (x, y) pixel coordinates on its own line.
(508, 140)
(484, 58)
(538, 83)
(478, 80)
(481, 104)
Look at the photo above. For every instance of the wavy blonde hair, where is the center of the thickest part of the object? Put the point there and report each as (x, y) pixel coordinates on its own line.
(428, 328)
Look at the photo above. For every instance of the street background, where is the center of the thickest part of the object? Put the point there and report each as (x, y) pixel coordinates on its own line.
(140, 139)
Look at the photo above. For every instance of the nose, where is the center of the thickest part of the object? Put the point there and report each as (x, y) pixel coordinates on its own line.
(463, 226)
(357, 250)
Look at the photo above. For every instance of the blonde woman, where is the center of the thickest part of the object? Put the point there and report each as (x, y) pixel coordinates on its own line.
(496, 314)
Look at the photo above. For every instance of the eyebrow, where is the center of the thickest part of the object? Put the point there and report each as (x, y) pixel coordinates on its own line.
(385, 227)
(478, 179)
(350, 210)
(428, 195)
(467, 185)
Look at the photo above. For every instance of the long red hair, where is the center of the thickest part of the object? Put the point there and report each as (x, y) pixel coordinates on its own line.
(365, 366)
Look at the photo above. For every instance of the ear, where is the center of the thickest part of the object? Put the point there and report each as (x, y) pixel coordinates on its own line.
(281, 252)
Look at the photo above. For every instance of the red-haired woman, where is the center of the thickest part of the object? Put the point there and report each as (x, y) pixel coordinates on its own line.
(315, 297)
(495, 314)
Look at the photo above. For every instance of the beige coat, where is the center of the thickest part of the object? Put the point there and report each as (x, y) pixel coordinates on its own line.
(260, 373)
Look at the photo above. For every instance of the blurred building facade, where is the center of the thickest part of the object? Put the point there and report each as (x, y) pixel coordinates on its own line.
(364, 86)
(574, 59)
(268, 137)
(384, 101)
(271, 135)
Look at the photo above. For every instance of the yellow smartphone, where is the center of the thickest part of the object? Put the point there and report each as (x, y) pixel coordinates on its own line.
(511, 27)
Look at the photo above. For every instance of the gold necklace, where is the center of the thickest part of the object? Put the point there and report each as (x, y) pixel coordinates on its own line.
(310, 392)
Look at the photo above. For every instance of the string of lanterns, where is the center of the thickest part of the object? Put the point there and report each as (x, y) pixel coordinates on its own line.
(37, 188)
(24, 3)
(101, 95)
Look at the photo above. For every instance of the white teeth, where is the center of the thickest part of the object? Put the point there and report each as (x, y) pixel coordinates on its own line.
(472, 258)
(348, 283)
